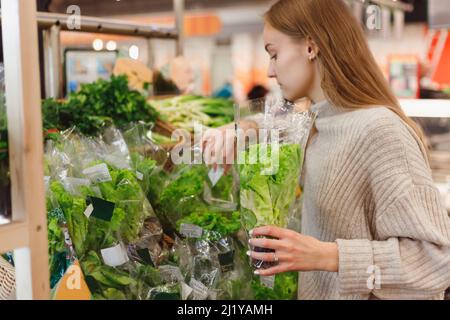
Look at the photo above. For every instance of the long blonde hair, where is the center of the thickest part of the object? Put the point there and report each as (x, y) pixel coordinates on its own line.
(351, 77)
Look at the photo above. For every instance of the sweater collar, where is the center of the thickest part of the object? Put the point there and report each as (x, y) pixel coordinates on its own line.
(325, 108)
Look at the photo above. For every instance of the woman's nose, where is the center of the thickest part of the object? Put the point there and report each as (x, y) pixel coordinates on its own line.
(271, 72)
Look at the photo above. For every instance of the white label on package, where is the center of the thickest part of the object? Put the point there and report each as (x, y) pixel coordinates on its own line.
(98, 173)
(191, 230)
(215, 175)
(199, 289)
(89, 210)
(185, 291)
(115, 256)
(171, 273)
(268, 281)
(139, 175)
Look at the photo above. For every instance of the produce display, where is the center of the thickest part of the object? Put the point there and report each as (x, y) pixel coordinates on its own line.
(184, 111)
(141, 227)
(5, 197)
(114, 231)
(104, 101)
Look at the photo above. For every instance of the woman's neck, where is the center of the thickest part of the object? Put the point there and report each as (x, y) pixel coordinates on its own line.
(316, 93)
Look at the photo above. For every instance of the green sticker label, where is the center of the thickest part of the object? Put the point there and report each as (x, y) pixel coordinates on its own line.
(92, 284)
(144, 254)
(102, 209)
(226, 261)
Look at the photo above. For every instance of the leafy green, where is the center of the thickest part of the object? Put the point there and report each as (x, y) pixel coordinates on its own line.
(107, 277)
(97, 103)
(57, 251)
(183, 111)
(114, 294)
(269, 183)
(131, 206)
(220, 224)
(73, 208)
(181, 196)
(285, 287)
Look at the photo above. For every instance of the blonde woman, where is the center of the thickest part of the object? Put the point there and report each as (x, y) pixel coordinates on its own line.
(373, 225)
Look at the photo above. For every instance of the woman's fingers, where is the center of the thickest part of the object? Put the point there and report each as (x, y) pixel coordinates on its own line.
(270, 231)
(264, 256)
(266, 243)
(282, 267)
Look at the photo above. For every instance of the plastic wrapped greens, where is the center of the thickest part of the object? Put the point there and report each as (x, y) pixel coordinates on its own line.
(106, 211)
(147, 158)
(269, 172)
(188, 189)
(61, 252)
(214, 257)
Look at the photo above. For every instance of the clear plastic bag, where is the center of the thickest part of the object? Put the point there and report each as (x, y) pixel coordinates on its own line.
(270, 164)
(106, 211)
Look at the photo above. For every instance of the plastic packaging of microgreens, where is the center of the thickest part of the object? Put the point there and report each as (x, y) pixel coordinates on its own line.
(270, 160)
(209, 252)
(61, 252)
(147, 158)
(106, 211)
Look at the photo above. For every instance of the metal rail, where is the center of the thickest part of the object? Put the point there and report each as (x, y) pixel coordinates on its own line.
(47, 20)
(391, 4)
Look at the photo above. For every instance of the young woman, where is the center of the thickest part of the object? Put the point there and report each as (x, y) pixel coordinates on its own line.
(373, 225)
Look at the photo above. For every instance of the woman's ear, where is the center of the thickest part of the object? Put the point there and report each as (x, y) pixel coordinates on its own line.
(313, 49)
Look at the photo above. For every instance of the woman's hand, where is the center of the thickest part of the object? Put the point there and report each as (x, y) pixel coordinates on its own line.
(294, 251)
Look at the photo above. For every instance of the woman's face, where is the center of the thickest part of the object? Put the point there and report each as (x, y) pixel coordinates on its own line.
(289, 63)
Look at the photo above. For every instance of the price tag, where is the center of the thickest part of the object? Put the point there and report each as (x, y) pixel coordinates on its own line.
(200, 291)
(114, 256)
(268, 281)
(191, 230)
(171, 273)
(89, 210)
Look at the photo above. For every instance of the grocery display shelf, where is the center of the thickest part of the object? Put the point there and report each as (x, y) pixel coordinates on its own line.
(26, 233)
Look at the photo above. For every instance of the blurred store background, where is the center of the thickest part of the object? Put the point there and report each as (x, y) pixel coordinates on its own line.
(223, 55)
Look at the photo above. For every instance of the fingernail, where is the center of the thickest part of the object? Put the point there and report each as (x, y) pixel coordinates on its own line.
(250, 233)
(256, 272)
(249, 253)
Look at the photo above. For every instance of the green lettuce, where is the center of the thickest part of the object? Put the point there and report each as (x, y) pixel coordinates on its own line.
(269, 184)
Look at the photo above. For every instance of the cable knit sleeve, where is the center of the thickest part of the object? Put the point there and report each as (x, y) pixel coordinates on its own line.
(409, 255)
(7, 280)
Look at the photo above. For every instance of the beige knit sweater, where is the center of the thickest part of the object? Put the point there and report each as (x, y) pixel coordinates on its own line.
(367, 186)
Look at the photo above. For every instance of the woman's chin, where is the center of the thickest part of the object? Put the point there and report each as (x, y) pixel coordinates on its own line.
(289, 97)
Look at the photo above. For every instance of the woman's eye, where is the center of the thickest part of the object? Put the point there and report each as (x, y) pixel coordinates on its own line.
(274, 57)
